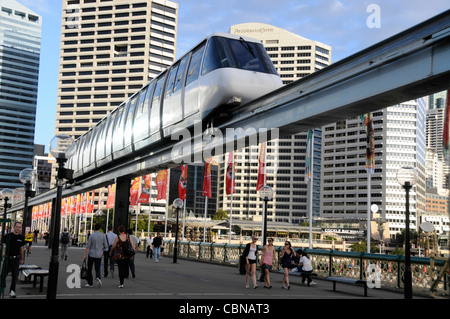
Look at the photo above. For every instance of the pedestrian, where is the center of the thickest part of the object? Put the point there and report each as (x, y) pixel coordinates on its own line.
(287, 262)
(118, 255)
(250, 253)
(268, 257)
(157, 242)
(65, 240)
(29, 242)
(149, 246)
(107, 259)
(15, 255)
(35, 235)
(136, 243)
(46, 236)
(95, 247)
(305, 267)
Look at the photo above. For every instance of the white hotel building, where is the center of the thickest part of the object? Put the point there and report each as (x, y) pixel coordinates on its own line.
(294, 57)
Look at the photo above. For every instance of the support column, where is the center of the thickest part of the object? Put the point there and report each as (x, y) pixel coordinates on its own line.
(121, 203)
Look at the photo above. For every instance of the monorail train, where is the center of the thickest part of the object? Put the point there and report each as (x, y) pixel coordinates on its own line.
(220, 70)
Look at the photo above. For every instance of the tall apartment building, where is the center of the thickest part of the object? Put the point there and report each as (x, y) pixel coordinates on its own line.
(294, 57)
(109, 50)
(20, 44)
(399, 133)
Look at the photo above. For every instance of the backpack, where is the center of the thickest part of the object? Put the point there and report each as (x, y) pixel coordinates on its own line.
(65, 238)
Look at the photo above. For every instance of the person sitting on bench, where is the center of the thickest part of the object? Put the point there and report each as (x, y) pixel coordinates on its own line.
(305, 268)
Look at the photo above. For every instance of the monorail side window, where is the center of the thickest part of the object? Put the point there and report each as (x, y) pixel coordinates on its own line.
(146, 104)
(180, 74)
(142, 99)
(171, 81)
(194, 66)
(158, 90)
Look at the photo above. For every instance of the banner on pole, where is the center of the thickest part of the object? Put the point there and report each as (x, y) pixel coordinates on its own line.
(262, 177)
(134, 191)
(367, 120)
(144, 198)
(229, 182)
(161, 184)
(111, 196)
(207, 179)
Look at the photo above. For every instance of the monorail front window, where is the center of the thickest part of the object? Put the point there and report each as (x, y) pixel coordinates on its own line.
(234, 53)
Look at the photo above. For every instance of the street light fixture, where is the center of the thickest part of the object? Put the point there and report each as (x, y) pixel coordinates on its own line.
(62, 148)
(265, 194)
(27, 177)
(178, 204)
(407, 177)
(6, 194)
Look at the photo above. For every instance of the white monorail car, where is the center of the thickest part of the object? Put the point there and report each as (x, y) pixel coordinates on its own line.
(219, 71)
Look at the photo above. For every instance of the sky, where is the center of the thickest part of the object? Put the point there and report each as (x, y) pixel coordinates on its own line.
(348, 26)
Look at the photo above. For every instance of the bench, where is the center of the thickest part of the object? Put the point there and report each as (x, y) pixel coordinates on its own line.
(41, 273)
(346, 280)
(25, 266)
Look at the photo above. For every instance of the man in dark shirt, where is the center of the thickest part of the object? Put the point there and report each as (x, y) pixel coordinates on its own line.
(16, 255)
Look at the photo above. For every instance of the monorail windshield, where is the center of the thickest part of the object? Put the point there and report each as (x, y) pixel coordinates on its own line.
(233, 53)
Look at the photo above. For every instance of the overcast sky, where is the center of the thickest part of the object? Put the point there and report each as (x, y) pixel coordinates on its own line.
(341, 24)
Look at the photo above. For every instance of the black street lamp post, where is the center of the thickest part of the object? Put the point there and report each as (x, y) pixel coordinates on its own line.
(6, 194)
(407, 177)
(27, 177)
(62, 148)
(178, 204)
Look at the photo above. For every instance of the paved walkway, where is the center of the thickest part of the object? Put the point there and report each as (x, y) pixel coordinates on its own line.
(186, 280)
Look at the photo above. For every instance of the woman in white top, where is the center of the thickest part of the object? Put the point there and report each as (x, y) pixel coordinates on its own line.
(251, 252)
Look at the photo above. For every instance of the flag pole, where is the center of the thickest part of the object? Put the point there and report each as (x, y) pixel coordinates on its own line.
(149, 206)
(369, 177)
(231, 199)
(204, 222)
(311, 190)
(167, 201)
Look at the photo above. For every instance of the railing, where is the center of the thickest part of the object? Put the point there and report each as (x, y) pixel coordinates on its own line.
(390, 268)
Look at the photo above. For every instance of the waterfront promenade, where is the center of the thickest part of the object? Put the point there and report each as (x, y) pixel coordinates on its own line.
(186, 280)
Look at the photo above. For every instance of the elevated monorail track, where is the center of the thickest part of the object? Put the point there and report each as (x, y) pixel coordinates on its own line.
(409, 65)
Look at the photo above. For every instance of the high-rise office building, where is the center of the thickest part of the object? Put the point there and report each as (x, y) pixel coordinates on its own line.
(294, 57)
(435, 128)
(399, 134)
(20, 44)
(109, 50)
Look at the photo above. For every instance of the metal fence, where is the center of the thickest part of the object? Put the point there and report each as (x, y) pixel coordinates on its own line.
(388, 268)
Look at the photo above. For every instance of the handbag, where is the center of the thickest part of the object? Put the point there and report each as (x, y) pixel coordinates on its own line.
(128, 251)
(84, 271)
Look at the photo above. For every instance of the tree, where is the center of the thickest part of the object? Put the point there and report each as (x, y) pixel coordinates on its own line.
(220, 215)
(361, 246)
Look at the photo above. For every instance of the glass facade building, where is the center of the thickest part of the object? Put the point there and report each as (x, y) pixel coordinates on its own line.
(20, 42)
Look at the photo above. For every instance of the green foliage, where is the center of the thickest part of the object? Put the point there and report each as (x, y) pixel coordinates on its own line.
(361, 246)
(220, 215)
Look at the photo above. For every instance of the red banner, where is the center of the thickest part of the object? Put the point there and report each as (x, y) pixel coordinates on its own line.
(207, 179)
(145, 193)
(262, 177)
(182, 184)
(229, 180)
(111, 196)
(134, 191)
(161, 183)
